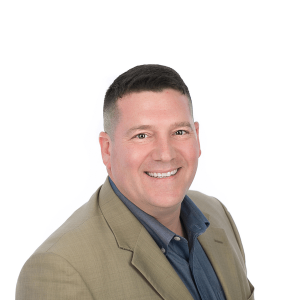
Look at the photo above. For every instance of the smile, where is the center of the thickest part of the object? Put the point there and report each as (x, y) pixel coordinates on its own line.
(162, 175)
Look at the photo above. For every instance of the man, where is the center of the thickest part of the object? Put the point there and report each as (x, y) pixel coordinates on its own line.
(143, 235)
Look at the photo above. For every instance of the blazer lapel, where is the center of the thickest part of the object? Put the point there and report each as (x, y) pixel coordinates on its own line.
(155, 267)
(147, 258)
(218, 250)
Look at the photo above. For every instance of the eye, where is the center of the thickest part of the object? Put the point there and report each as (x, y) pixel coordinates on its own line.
(180, 132)
(141, 136)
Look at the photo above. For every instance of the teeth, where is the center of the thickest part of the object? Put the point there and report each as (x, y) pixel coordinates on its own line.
(162, 175)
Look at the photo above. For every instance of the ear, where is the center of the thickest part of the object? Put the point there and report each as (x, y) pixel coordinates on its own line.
(196, 124)
(105, 144)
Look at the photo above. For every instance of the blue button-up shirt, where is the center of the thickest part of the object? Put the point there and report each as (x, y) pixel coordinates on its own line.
(187, 257)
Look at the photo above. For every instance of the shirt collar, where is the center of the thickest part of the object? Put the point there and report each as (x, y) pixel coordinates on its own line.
(194, 221)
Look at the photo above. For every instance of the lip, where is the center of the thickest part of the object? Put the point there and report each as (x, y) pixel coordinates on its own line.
(164, 178)
(170, 170)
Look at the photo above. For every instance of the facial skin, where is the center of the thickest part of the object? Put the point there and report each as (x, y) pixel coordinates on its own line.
(155, 134)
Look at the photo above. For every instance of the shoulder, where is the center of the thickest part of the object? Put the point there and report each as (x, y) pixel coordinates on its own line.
(212, 208)
(205, 201)
(54, 270)
(49, 276)
(218, 215)
(78, 224)
(208, 205)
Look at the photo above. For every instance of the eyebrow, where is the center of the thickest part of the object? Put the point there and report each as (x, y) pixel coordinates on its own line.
(143, 127)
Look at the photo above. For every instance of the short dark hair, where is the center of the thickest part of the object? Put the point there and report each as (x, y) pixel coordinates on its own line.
(141, 78)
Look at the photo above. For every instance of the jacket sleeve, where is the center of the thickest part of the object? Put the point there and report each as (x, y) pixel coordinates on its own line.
(235, 230)
(239, 241)
(47, 276)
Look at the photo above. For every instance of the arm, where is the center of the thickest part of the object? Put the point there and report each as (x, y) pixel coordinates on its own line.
(47, 276)
(235, 230)
(239, 241)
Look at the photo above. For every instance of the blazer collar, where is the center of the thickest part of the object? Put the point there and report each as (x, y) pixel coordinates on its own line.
(131, 235)
(218, 250)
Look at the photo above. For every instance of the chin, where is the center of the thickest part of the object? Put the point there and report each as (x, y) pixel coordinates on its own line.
(166, 201)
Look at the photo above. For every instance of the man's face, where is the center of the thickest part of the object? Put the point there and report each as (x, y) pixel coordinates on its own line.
(154, 156)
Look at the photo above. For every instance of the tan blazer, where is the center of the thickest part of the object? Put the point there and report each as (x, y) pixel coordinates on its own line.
(103, 252)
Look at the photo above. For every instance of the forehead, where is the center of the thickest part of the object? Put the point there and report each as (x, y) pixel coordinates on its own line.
(153, 108)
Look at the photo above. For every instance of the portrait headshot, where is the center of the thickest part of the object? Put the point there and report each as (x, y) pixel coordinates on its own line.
(149, 151)
(143, 234)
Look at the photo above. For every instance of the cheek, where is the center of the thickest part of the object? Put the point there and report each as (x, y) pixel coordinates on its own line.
(194, 155)
(137, 158)
(128, 158)
(191, 151)
(191, 155)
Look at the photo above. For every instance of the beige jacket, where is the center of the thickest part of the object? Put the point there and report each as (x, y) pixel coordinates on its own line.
(103, 252)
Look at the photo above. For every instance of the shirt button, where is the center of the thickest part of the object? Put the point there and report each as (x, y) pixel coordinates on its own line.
(163, 250)
(177, 238)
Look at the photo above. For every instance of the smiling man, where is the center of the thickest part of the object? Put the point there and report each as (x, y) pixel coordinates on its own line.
(143, 234)
(156, 143)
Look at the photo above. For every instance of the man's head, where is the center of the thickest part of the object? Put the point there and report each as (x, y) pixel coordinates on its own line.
(153, 78)
(153, 155)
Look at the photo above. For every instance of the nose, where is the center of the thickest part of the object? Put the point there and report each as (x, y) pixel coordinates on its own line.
(164, 150)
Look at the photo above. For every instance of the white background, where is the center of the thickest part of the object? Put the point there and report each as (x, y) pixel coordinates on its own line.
(240, 60)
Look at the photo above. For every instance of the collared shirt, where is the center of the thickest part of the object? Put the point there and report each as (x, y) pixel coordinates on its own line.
(187, 257)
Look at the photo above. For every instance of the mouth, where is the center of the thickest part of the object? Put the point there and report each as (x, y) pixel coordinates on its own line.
(162, 175)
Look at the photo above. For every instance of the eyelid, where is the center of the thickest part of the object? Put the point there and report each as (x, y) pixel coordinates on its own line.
(136, 135)
(185, 130)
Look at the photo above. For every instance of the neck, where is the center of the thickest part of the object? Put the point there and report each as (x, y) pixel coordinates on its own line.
(171, 221)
